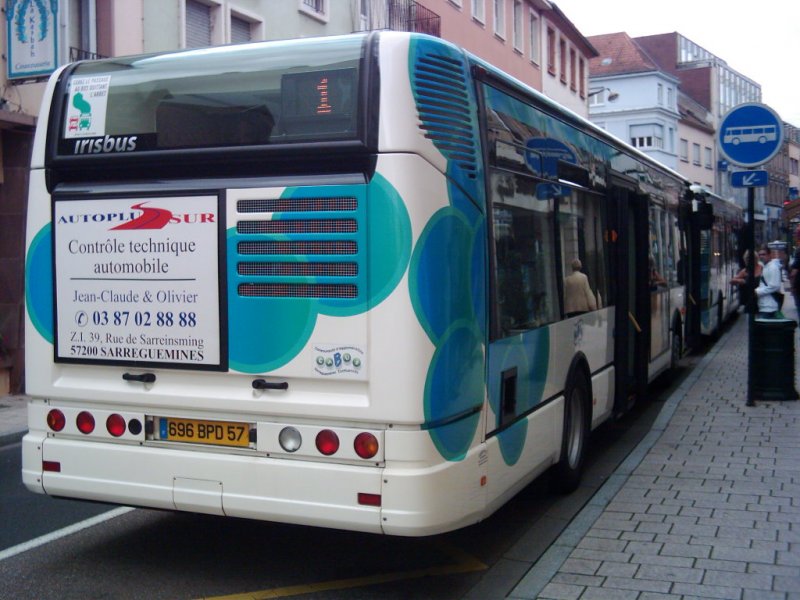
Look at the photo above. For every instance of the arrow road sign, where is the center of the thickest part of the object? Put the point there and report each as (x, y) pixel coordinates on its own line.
(750, 134)
(545, 191)
(745, 179)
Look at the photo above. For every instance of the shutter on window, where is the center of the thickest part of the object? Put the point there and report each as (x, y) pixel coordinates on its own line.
(198, 24)
(240, 31)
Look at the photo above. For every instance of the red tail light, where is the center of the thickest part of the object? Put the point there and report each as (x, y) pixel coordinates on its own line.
(115, 425)
(366, 445)
(56, 420)
(327, 442)
(369, 499)
(85, 422)
(51, 466)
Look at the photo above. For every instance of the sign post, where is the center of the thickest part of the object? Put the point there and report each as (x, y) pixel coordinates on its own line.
(750, 135)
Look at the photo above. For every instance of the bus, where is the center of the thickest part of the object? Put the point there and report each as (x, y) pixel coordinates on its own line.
(719, 248)
(322, 282)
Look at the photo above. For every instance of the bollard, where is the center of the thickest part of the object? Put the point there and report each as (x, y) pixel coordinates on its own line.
(773, 359)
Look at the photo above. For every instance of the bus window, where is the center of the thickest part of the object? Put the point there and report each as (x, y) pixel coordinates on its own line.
(582, 224)
(526, 295)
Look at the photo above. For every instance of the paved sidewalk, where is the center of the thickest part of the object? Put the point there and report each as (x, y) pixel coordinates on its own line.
(13, 419)
(707, 506)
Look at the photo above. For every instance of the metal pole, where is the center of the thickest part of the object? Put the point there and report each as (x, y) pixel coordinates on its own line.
(751, 304)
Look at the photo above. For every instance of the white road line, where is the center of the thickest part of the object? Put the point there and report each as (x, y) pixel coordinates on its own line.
(56, 535)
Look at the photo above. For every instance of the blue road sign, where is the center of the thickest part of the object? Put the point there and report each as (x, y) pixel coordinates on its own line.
(750, 134)
(745, 179)
(543, 154)
(545, 191)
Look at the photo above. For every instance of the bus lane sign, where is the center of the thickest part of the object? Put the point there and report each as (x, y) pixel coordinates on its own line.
(137, 281)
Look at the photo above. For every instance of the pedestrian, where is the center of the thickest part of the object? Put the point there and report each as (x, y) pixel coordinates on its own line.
(770, 283)
(794, 277)
(578, 296)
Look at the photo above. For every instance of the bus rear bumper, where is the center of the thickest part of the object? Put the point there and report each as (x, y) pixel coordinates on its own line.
(256, 487)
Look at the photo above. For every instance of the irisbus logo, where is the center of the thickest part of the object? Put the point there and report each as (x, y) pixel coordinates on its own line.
(140, 217)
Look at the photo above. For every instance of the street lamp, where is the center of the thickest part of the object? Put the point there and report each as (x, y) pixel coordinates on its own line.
(611, 97)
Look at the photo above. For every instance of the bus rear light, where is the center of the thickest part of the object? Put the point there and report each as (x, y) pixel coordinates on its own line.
(56, 420)
(290, 439)
(116, 425)
(366, 445)
(327, 442)
(85, 422)
(51, 466)
(369, 499)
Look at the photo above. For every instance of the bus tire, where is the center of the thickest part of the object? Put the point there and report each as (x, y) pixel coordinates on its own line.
(569, 468)
(675, 349)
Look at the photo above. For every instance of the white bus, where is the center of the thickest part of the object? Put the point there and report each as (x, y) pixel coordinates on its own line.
(322, 282)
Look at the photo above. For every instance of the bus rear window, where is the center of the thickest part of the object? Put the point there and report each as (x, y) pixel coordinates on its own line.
(248, 95)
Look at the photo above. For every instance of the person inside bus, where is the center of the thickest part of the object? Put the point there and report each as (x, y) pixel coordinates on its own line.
(578, 296)
(770, 283)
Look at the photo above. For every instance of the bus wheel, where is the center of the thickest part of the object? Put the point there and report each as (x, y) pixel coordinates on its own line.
(576, 433)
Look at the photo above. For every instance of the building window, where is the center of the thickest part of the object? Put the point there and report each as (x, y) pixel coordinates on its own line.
(551, 51)
(707, 157)
(696, 154)
(535, 38)
(582, 77)
(479, 10)
(670, 97)
(499, 14)
(317, 9)
(597, 97)
(562, 59)
(649, 136)
(684, 150)
(517, 37)
(573, 85)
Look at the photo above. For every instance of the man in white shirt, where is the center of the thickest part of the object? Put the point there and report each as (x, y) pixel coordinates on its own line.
(771, 282)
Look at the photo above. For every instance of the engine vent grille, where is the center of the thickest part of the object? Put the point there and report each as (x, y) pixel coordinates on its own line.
(443, 103)
(284, 253)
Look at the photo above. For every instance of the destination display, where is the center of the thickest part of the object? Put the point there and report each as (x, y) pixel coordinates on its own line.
(137, 281)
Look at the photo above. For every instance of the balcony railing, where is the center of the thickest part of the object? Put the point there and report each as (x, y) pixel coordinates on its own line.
(81, 54)
(402, 15)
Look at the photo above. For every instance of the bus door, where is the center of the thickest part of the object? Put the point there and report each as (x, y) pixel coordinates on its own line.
(631, 292)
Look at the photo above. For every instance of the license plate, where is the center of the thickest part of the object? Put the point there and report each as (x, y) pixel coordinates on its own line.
(216, 433)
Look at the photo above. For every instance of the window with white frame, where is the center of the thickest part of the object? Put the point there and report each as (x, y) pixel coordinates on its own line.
(499, 14)
(479, 10)
(649, 136)
(660, 94)
(696, 154)
(317, 9)
(597, 97)
(707, 157)
(684, 150)
(241, 33)
(535, 40)
(670, 97)
(517, 37)
(582, 77)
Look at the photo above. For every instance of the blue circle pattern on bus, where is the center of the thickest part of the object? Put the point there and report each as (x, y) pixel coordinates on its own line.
(452, 251)
(39, 283)
(266, 333)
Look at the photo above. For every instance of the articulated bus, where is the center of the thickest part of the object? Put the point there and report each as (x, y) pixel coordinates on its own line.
(322, 281)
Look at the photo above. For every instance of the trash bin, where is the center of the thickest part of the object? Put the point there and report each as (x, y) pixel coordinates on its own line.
(773, 359)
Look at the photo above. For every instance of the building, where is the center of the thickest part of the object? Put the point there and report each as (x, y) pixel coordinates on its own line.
(630, 97)
(530, 39)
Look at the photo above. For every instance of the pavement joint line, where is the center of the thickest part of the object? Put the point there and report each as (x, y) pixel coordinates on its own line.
(548, 565)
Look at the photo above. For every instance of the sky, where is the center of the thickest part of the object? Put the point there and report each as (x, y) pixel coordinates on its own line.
(760, 40)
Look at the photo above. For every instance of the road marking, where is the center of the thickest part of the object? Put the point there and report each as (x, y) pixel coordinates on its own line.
(56, 535)
(465, 564)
